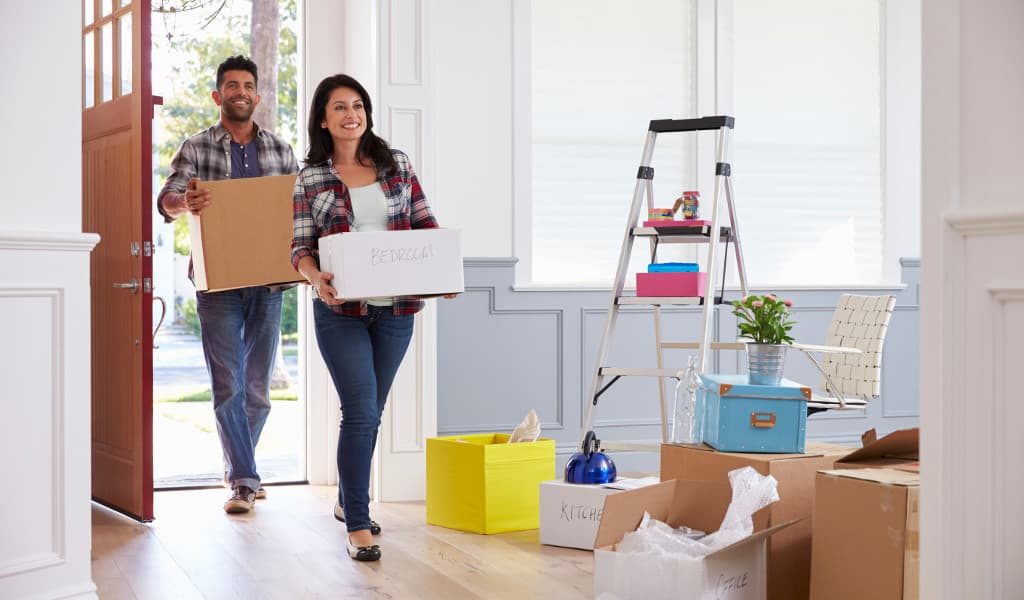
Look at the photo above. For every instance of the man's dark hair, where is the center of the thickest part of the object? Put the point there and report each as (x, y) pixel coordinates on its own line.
(237, 63)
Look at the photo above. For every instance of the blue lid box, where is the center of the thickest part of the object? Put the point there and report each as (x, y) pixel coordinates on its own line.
(740, 417)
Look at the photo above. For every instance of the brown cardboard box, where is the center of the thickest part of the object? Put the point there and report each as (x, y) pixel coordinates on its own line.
(866, 535)
(789, 553)
(867, 507)
(244, 237)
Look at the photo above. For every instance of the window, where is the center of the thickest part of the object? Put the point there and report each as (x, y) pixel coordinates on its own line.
(805, 84)
(600, 74)
(807, 99)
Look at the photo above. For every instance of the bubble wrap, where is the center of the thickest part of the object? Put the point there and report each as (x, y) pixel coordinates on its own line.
(751, 492)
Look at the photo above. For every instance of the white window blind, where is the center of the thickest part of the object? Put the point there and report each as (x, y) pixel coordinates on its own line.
(601, 71)
(807, 152)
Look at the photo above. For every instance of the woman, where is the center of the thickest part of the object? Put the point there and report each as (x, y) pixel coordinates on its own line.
(354, 182)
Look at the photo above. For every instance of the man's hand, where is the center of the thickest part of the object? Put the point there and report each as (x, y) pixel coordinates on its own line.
(196, 198)
(321, 282)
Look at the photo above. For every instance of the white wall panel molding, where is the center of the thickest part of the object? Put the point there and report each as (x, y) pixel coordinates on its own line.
(406, 131)
(405, 42)
(44, 311)
(38, 515)
(54, 241)
(985, 222)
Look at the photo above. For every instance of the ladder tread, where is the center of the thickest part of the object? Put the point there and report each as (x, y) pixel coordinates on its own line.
(682, 234)
(638, 372)
(662, 300)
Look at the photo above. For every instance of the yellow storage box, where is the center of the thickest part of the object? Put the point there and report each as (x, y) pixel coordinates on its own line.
(483, 484)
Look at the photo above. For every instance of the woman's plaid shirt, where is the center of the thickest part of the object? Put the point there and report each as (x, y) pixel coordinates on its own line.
(322, 206)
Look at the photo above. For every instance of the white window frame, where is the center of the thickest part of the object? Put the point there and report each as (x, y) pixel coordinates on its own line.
(900, 55)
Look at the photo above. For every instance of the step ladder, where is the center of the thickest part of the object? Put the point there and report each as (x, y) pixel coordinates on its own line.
(712, 235)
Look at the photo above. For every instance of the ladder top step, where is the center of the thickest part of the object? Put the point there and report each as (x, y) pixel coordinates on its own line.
(701, 124)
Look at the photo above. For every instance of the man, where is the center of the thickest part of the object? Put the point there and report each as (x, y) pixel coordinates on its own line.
(240, 328)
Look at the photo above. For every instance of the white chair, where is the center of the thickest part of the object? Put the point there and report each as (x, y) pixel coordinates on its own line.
(852, 354)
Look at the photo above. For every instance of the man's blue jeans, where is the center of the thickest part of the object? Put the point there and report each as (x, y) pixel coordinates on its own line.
(362, 355)
(241, 330)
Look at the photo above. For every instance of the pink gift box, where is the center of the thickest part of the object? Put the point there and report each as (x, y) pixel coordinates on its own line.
(671, 284)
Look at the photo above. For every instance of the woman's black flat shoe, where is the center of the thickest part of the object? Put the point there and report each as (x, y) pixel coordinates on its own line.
(339, 514)
(362, 553)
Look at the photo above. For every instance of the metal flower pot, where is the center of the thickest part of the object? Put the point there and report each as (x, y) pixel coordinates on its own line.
(765, 363)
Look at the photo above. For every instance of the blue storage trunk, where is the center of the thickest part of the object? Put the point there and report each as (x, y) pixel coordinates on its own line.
(740, 417)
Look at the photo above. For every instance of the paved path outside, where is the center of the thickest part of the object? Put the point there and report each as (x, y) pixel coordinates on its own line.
(186, 450)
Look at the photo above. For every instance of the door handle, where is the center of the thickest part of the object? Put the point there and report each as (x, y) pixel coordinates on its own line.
(163, 313)
(132, 286)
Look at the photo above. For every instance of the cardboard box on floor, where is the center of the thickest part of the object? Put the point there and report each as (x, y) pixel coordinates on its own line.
(244, 237)
(789, 552)
(866, 520)
(570, 513)
(736, 572)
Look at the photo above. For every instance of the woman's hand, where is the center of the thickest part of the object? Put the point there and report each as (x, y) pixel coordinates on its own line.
(321, 282)
(449, 296)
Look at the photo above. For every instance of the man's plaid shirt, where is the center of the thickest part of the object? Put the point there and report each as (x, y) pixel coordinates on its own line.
(322, 206)
(207, 156)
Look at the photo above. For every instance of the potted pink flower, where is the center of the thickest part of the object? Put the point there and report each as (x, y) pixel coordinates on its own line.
(765, 322)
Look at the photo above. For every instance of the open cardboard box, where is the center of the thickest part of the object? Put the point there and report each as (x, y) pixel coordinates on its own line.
(898, 450)
(244, 237)
(789, 553)
(736, 572)
(866, 520)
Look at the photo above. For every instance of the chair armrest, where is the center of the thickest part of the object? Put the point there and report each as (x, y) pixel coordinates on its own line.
(827, 349)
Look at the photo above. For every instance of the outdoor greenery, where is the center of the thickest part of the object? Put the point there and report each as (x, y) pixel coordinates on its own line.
(764, 319)
(193, 61)
(289, 316)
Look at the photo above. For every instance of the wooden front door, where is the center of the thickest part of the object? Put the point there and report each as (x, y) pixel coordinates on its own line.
(117, 113)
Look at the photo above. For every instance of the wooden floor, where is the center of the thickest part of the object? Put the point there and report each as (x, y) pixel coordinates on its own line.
(291, 547)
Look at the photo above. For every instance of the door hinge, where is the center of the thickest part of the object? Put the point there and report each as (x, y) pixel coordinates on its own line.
(147, 248)
(147, 285)
(134, 248)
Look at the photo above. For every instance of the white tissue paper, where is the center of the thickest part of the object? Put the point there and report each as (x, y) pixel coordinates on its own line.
(751, 492)
(528, 430)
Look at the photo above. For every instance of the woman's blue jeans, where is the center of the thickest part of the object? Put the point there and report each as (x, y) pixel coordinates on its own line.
(362, 356)
(241, 329)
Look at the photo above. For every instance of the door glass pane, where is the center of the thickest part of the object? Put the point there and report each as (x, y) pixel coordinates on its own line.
(108, 62)
(88, 6)
(106, 8)
(90, 70)
(126, 54)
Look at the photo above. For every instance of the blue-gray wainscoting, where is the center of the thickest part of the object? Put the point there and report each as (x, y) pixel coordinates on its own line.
(502, 352)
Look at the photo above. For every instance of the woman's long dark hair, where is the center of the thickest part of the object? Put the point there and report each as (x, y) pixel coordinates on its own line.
(321, 145)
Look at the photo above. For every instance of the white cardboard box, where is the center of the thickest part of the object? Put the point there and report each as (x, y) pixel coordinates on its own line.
(570, 513)
(416, 262)
(736, 572)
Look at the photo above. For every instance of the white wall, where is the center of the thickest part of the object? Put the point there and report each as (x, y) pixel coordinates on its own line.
(473, 98)
(44, 308)
(972, 299)
(42, 119)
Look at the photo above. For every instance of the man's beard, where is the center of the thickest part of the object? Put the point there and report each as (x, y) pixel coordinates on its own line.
(236, 113)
